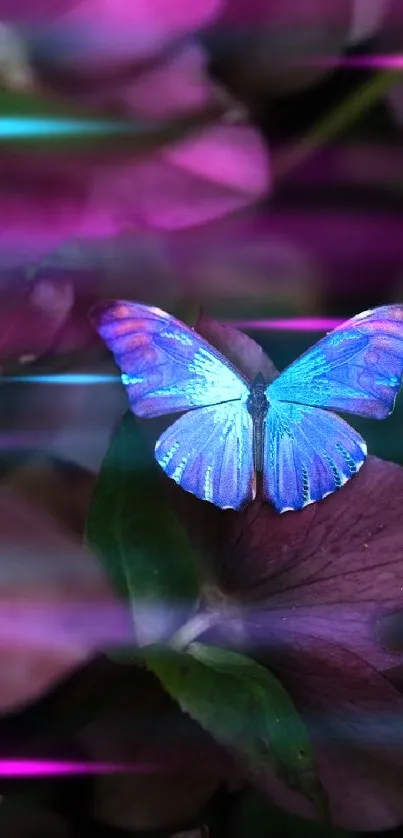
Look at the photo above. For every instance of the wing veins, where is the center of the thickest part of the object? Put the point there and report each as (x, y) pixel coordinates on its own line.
(214, 353)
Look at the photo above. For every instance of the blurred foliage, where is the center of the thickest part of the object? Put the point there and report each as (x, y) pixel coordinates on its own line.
(252, 815)
(152, 567)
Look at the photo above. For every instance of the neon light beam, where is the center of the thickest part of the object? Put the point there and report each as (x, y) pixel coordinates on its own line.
(17, 127)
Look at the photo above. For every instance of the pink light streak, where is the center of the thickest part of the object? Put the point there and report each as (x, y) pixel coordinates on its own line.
(392, 61)
(25, 768)
(290, 324)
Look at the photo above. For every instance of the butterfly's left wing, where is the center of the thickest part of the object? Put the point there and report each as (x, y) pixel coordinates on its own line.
(209, 452)
(309, 453)
(357, 368)
(166, 366)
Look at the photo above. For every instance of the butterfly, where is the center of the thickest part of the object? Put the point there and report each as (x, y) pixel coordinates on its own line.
(232, 429)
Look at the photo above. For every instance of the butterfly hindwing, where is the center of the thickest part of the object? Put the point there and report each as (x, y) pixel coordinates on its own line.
(166, 366)
(357, 368)
(309, 453)
(209, 452)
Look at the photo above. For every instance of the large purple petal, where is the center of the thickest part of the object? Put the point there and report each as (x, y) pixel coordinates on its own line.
(310, 590)
(334, 572)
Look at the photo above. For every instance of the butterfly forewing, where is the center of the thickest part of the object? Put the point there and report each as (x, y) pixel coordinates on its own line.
(309, 453)
(166, 366)
(357, 368)
(209, 452)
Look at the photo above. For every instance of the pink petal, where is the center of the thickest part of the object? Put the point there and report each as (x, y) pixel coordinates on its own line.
(176, 85)
(31, 315)
(219, 171)
(103, 31)
(41, 204)
(56, 606)
(244, 352)
(367, 18)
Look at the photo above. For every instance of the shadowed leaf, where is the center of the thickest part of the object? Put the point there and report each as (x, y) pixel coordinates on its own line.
(244, 707)
(142, 546)
(252, 814)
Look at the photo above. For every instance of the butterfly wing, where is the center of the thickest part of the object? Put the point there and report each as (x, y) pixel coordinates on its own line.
(309, 453)
(166, 366)
(209, 452)
(357, 368)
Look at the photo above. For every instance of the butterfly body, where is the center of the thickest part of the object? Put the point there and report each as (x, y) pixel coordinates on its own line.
(232, 429)
(257, 405)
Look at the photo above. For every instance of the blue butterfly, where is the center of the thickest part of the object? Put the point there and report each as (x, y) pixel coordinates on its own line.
(234, 429)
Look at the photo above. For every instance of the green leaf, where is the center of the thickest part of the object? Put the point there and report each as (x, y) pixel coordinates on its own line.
(335, 122)
(142, 546)
(245, 708)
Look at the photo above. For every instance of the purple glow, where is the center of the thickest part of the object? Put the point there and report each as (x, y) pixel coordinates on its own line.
(290, 324)
(51, 768)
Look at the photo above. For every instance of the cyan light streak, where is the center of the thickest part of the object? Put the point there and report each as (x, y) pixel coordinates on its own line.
(33, 127)
(62, 378)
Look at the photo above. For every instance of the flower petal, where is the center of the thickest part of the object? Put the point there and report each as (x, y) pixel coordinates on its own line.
(220, 170)
(56, 606)
(332, 570)
(31, 314)
(100, 30)
(305, 593)
(174, 86)
(41, 204)
(355, 718)
(367, 17)
(238, 347)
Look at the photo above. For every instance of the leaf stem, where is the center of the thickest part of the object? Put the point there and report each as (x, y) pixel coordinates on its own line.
(192, 629)
(334, 122)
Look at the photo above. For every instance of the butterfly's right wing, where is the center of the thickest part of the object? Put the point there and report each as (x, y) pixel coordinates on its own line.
(209, 452)
(166, 366)
(309, 453)
(357, 368)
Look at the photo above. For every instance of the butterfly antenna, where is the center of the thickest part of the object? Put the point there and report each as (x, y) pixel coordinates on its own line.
(200, 314)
